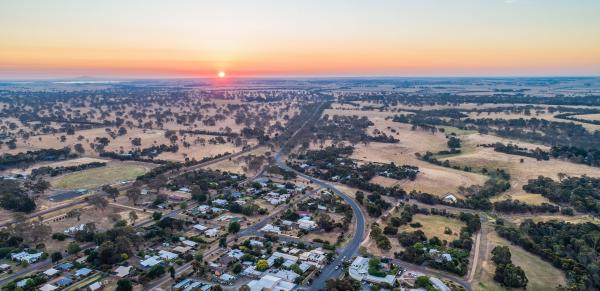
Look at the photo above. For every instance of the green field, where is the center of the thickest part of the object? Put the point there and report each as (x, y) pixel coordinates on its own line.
(93, 178)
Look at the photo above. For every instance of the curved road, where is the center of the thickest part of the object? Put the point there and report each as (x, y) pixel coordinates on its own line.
(351, 249)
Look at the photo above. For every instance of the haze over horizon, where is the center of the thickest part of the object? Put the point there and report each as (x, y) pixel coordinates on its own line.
(268, 38)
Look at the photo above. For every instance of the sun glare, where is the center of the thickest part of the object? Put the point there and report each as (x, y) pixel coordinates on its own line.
(221, 74)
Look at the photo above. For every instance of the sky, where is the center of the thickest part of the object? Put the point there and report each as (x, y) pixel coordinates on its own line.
(279, 38)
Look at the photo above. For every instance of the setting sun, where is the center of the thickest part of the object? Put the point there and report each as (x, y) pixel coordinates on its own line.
(221, 74)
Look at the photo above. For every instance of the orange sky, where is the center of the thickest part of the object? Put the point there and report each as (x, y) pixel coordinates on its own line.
(46, 39)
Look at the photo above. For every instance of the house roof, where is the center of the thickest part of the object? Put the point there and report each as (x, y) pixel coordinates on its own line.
(83, 272)
(122, 271)
(48, 287)
(51, 272)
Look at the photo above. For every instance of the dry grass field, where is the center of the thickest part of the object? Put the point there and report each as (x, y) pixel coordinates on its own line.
(595, 117)
(541, 274)
(431, 179)
(520, 173)
(435, 225)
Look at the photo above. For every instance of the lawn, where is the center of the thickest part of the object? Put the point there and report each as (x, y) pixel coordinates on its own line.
(96, 177)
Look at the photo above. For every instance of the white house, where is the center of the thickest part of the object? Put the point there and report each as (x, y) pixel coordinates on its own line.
(359, 270)
(166, 255)
(307, 224)
(270, 282)
(151, 261)
(450, 199)
(211, 232)
(271, 228)
(26, 257)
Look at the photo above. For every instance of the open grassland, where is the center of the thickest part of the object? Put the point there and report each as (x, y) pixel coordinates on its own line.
(96, 177)
(435, 225)
(432, 179)
(594, 117)
(545, 116)
(541, 274)
(520, 172)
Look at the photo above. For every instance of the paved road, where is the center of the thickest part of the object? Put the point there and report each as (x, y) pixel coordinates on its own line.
(351, 249)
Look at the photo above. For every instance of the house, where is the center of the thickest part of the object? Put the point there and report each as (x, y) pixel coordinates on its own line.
(150, 262)
(270, 282)
(219, 202)
(51, 272)
(122, 271)
(251, 271)
(211, 232)
(64, 281)
(226, 278)
(236, 254)
(24, 282)
(190, 284)
(271, 228)
(317, 256)
(83, 272)
(185, 190)
(26, 257)
(288, 259)
(438, 284)
(256, 243)
(95, 286)
(200, 227)
(65, 266)
(4, 267)
(306, 224)
(166, 255)
(287, 275)
(359, 270)
(449, 198)
(74, 229)
(182, 249)
(48, 287)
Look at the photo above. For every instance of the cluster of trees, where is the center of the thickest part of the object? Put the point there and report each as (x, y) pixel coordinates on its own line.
(577, 155)
(200, 181)
(332, 163)
(348, 128)
(569, 247)
(572, 116)
(14, 197)
(375, 203)
(512, 149)
(31, 157)
(583, 193)
(506, 272)
(379, 237)
(55, 171)
(516, 206)
(393, 98)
